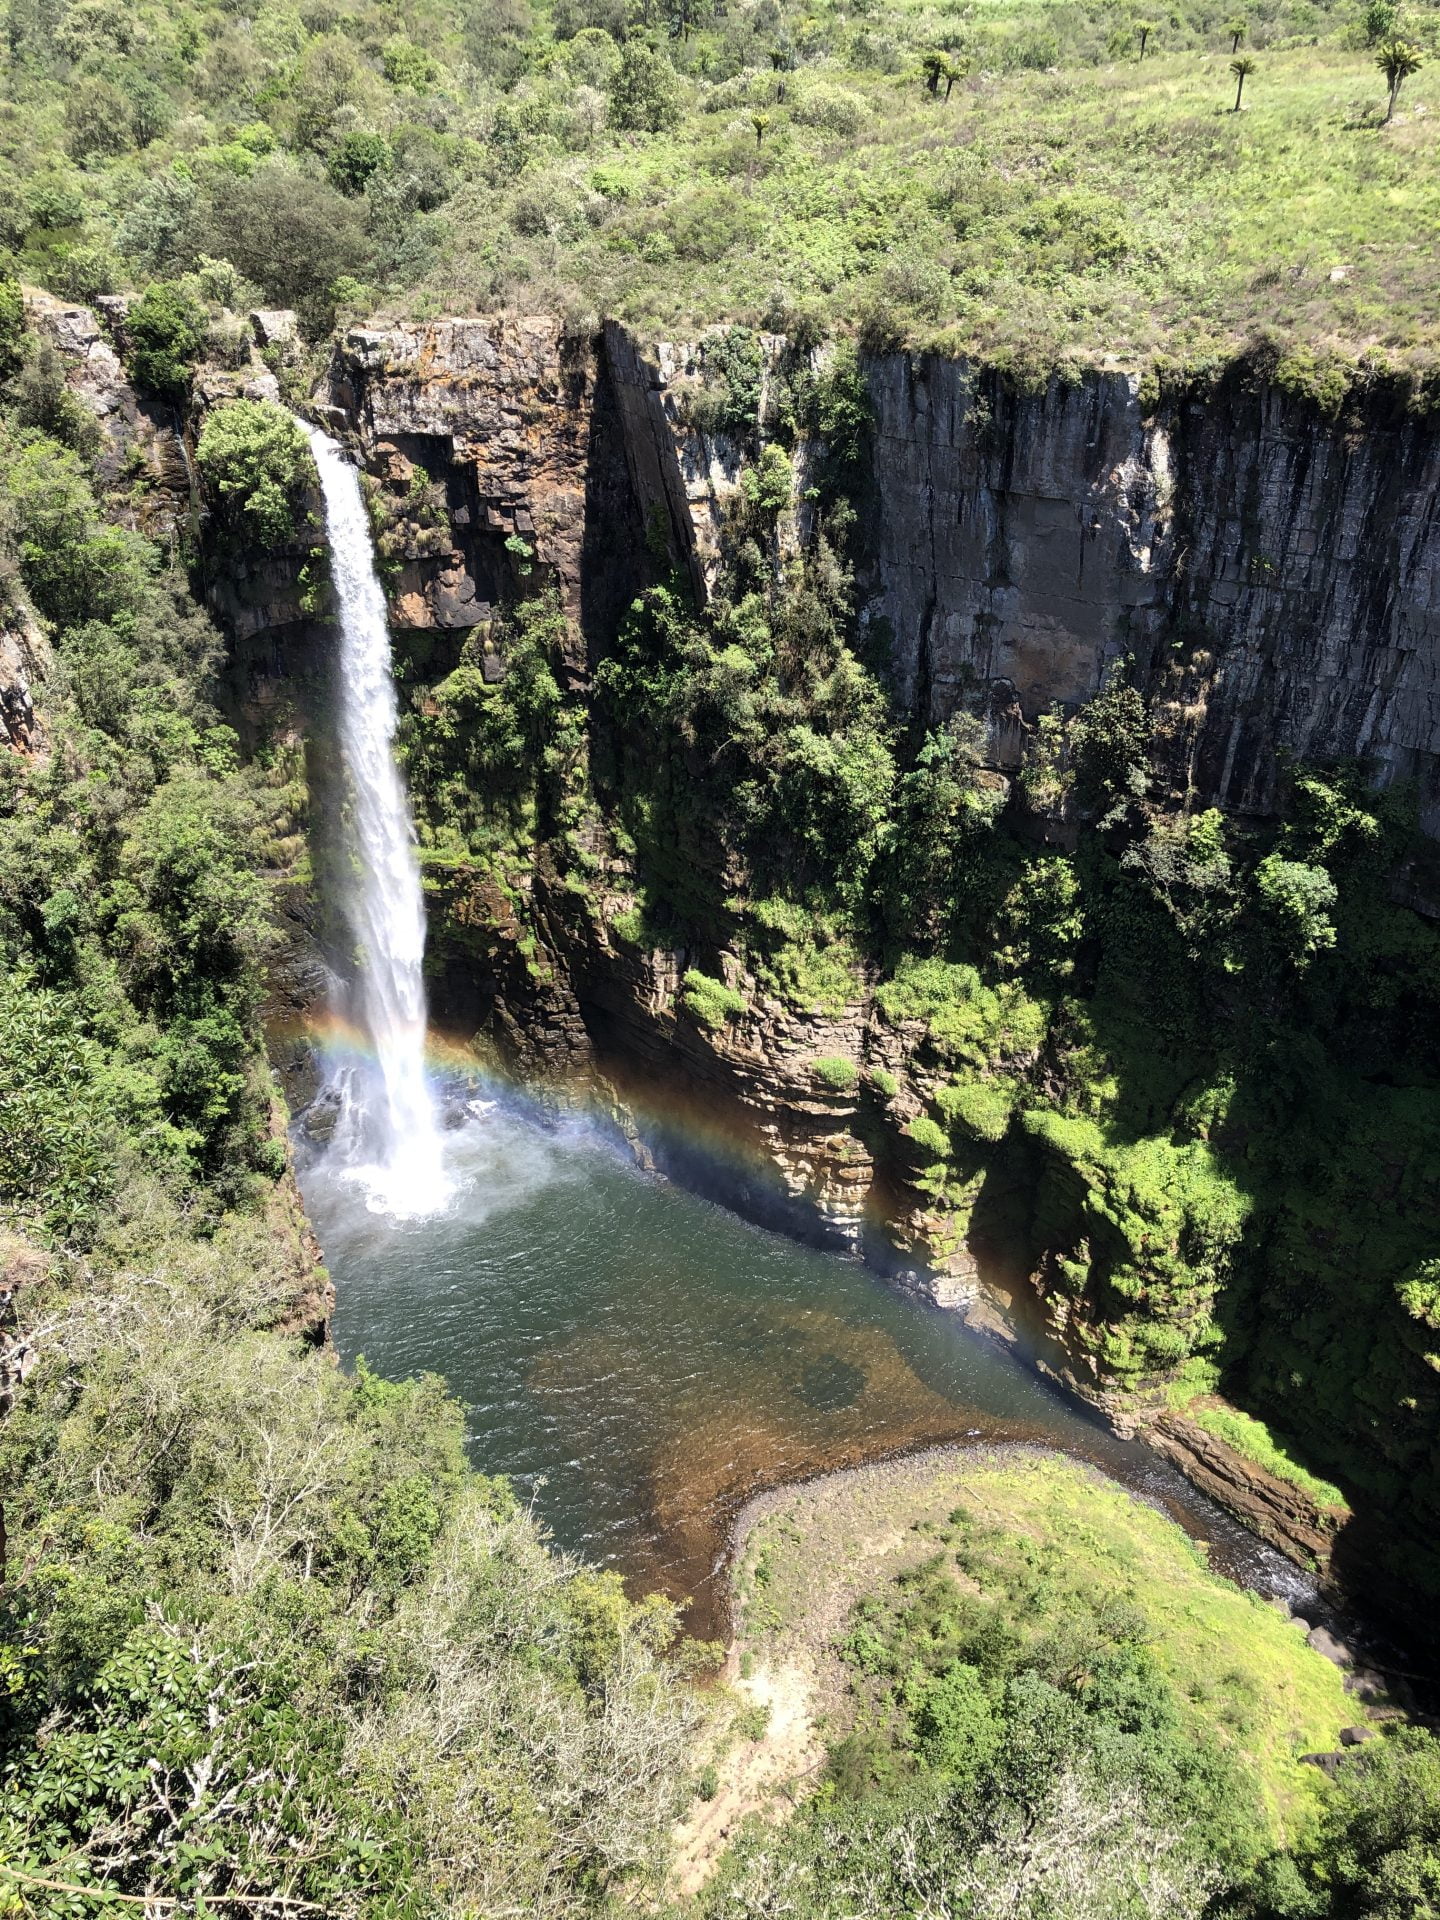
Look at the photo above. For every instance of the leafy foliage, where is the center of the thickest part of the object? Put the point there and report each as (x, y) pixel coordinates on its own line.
(257, 459)
(264, 1638)
(165, 330)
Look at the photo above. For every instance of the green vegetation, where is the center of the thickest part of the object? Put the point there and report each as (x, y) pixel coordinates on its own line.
(1157, 1071)
(1252, 1440)
(256, 460)
(166, 329)
(267, 1644)
(711, 1001)
(1035, 182)
(838, 1074)
(1043, 1668)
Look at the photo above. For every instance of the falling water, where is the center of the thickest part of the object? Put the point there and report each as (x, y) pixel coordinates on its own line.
(387, 1128)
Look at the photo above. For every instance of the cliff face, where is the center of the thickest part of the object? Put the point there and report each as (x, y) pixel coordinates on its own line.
(1276, 579)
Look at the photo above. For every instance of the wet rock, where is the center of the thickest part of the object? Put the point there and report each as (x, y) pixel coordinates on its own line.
(1330, 1646)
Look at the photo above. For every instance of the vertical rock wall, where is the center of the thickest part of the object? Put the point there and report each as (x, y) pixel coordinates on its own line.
(1275, 577)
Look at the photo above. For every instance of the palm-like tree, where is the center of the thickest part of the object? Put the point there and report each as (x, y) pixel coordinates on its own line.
(1144, 28)
(1397, 60)
(953, 70)
(760, 122)
(1236, 30)
(933, 65)
(1242, 69)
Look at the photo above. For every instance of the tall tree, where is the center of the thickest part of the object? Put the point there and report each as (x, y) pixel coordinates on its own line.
(1242, 69)
(1236, 30)
(1144, 28)
(1397, 60)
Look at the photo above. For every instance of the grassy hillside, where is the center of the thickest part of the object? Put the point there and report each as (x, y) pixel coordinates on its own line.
(1056, 193)
(1037, 1700)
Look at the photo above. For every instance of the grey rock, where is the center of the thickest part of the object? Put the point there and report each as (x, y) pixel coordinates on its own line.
(273, 326)
(1333, 1649)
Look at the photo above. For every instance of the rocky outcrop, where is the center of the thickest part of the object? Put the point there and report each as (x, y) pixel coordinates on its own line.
(25, 660)
(140, 442)
(513, 424)
(1275, 1509)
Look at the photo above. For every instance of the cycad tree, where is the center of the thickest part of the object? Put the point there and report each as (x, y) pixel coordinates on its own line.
(1397, 60)
(1242, 69)
(1236, 30)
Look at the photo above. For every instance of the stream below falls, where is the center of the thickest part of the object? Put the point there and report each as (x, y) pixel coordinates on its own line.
(640, 1361)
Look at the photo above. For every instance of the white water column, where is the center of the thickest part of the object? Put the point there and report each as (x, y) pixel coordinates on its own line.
(387, 1127)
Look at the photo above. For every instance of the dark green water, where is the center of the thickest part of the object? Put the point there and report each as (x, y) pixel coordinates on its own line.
(642, 1361)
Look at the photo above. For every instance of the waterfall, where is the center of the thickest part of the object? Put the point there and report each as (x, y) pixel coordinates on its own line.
(387, 1129)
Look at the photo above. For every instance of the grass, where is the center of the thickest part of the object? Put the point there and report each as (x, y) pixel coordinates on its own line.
(1042, 216)
(1238, 1667)
(1253, 1441)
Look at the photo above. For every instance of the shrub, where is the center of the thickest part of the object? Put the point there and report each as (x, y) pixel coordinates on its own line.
(258, 460)
(710, 1001)
(355, 159)
(1295, 899)
(165, 330)
(979, 1108)
(884, 1082)
(74, 565)
(12, 325)
(839, 1074)
(292, 235)
(644, 93)
(930, 1138)
(767, 485)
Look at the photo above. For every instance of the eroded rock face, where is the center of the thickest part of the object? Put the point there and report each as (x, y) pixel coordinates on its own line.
(514, 422)
(137, 438)
(1275, 579)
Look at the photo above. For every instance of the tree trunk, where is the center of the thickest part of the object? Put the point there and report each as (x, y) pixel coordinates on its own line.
(1238, 91)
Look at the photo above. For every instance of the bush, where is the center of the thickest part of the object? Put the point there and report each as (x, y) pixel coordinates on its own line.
(766, 487)
(292, 235)
(710, 1001)
(12, 325)
(258, 460)
(645, 91)
(838, 1074)
(73, 564)
(165, 332)
(931, 1139)
(980, 1109)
